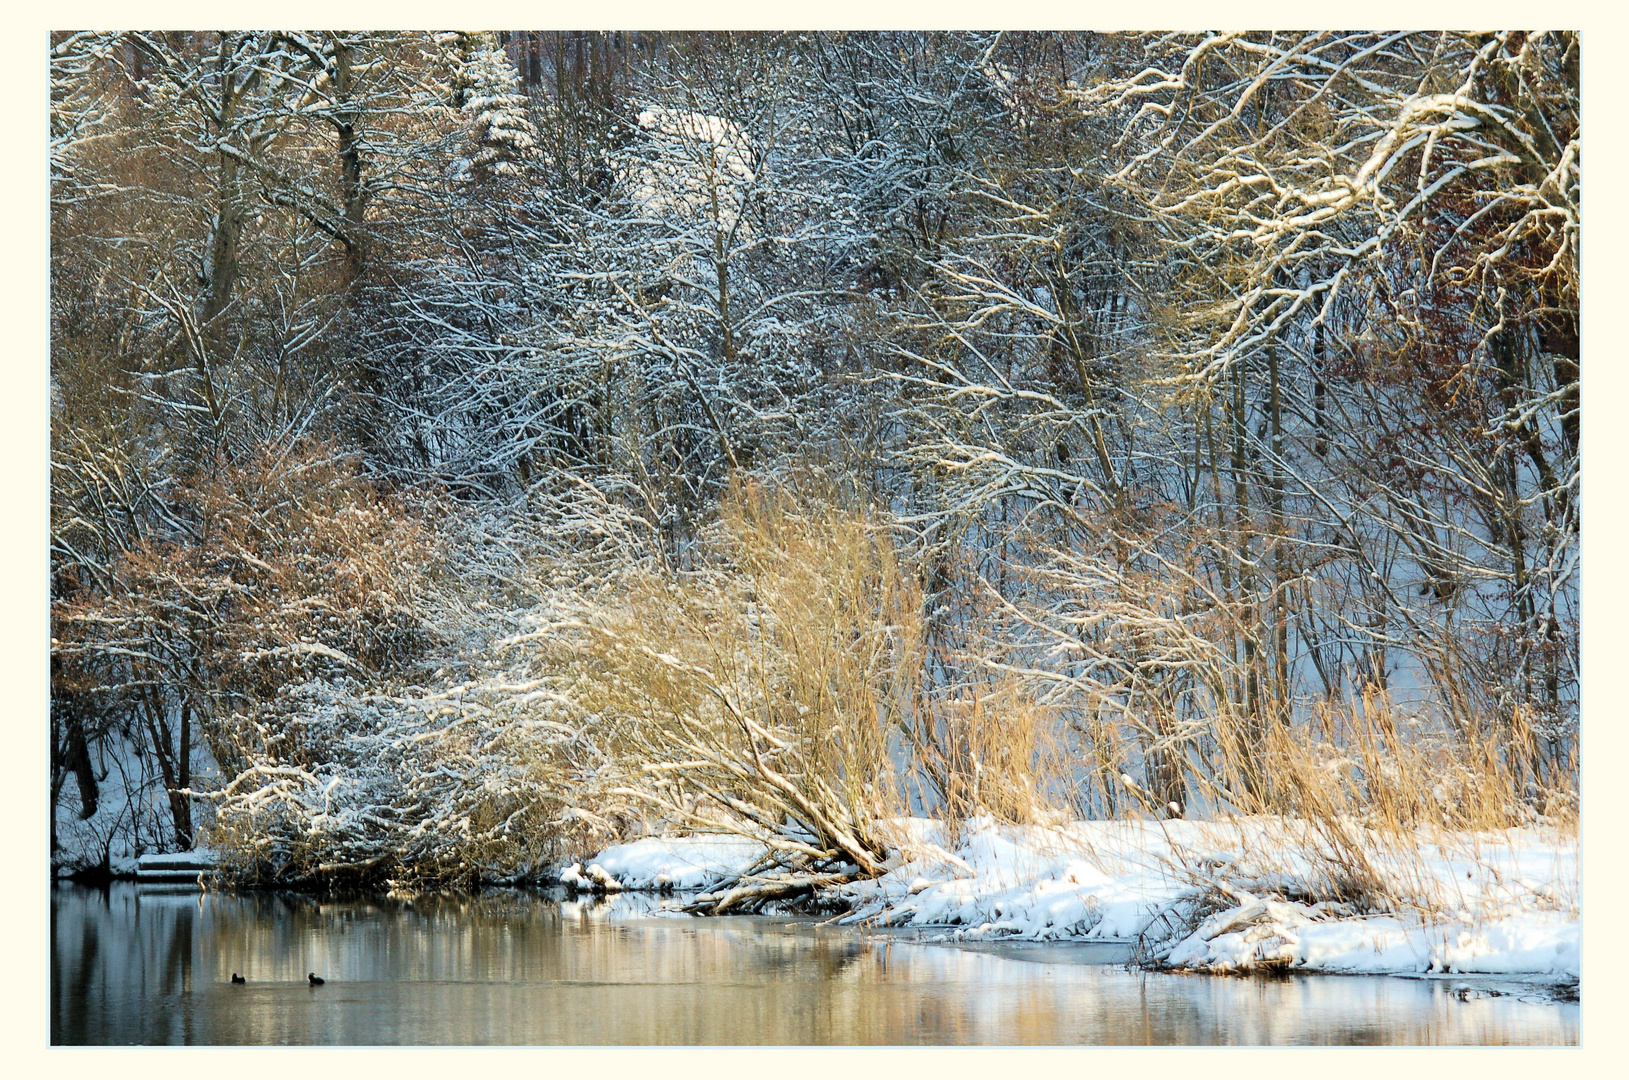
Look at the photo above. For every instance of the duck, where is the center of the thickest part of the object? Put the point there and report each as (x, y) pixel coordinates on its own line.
(315, 979)
(237, 979)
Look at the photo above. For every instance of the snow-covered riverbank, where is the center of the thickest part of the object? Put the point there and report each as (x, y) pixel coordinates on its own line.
(1208, 896)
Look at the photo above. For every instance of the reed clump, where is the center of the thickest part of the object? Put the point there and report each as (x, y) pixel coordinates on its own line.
(757, 692)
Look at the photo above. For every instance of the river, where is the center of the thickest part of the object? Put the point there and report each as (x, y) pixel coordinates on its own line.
(138, 965)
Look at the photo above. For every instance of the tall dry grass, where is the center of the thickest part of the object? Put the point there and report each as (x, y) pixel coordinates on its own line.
(758, 692)
(1376, 798)
(994, 753)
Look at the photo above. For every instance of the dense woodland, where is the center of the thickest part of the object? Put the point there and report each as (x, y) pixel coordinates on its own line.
(469, 448)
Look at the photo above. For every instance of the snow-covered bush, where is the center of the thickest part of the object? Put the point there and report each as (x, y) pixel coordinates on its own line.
(451, 788)
(478, 771)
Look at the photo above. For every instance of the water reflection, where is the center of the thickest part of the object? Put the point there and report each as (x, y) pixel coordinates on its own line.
(135, 966)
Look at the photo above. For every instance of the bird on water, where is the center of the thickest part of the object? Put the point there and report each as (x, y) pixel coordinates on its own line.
(238, 979)
(315, 981)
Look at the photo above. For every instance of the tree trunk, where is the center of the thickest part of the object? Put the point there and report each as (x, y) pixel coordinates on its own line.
(353, 193)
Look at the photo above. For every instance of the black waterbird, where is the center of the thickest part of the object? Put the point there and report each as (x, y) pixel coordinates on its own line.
(238, 979)
(315, 981)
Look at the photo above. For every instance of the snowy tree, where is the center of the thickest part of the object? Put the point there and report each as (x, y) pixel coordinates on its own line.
(501, 133)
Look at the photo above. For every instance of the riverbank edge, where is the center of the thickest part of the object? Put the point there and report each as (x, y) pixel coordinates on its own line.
(1514, 915)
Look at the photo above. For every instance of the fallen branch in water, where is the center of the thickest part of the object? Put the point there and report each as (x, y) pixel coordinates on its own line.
(754, 894)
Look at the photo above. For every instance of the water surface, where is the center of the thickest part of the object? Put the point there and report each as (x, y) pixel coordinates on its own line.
(136, 965)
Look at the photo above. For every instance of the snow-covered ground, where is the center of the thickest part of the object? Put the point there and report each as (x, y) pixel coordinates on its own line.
(132, 813)
(678, 862)
(1211, 896)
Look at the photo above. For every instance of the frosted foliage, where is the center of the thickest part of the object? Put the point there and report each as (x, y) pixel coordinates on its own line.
(454, 787)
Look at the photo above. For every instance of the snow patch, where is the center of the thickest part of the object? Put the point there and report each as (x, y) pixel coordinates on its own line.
(1502, 903)
(668, 862)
